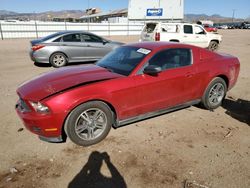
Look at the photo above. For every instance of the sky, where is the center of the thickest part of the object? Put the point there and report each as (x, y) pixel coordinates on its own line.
(209, 7)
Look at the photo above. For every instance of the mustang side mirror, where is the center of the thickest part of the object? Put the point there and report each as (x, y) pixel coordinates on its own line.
(152, 70)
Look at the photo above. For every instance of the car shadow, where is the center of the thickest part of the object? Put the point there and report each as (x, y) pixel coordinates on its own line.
(90, 175)
(82, 63)
(42, 64)
(70, 64)
(238, 109)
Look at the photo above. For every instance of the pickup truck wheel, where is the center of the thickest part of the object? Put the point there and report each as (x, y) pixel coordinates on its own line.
(213, 46)
(89, 123)
(214, 94)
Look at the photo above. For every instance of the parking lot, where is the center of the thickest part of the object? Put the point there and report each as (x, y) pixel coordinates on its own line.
(211, 148)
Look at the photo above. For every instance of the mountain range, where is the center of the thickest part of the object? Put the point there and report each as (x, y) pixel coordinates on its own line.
(215, 18)
(4, 14)
(48, 15)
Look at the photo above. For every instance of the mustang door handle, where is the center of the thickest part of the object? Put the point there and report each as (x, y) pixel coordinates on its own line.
(189, 74)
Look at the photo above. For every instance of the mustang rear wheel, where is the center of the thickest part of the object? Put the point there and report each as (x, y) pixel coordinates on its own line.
(214, 93)
(89, 123)
(58, 59)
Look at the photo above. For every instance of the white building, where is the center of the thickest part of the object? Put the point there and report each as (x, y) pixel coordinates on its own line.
(156, 10)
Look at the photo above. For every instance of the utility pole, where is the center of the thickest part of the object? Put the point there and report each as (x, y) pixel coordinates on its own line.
(1, 31)
(88, 15)
(159, 5)
(36, 25)
(233, 15)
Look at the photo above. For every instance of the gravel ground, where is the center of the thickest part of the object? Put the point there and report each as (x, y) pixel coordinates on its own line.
(209, 149)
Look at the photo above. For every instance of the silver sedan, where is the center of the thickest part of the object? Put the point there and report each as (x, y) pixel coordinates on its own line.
(66, 47)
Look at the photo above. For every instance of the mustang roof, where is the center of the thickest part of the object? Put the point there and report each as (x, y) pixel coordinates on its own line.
(156, 45)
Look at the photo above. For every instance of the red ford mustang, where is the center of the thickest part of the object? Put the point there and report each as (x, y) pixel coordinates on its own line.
(131, 83)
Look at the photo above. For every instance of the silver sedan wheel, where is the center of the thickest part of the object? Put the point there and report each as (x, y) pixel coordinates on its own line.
(90, 124)
(216, 94)
(59, 60)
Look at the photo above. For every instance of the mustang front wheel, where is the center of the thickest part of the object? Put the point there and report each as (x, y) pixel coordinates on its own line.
(89, 123)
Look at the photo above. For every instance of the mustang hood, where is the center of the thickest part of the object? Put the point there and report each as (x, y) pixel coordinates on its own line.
(61, 79)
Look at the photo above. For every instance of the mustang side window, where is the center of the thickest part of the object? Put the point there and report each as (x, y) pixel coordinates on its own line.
(172, 58)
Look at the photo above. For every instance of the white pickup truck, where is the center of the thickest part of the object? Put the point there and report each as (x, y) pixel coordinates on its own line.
(193, 34)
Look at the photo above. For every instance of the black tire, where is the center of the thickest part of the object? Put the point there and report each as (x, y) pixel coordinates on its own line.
(58, 59)
(83, 119)
(174, 41)
(214, 94)
(213, 46)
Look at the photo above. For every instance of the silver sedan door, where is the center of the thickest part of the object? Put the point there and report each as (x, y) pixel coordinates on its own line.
(96, 46)
(73, 46)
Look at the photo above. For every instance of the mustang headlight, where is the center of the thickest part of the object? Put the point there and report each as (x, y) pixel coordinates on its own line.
(39, 107)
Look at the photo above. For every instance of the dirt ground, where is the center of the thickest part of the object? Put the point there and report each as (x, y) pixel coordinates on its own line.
(208, 149)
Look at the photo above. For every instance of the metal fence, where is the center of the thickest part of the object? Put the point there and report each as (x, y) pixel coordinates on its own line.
(37, 29)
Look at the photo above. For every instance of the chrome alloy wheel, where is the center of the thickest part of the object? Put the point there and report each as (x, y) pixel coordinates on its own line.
(90, 124)
(59, 60)
(216, 94)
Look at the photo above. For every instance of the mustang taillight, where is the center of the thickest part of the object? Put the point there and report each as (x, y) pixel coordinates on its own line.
(37, 47)
(157, 36)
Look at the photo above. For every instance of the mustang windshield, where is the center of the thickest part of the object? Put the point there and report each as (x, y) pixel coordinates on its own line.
(123, 60)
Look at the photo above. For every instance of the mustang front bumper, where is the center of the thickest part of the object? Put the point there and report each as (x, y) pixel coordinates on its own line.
(44, 125)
